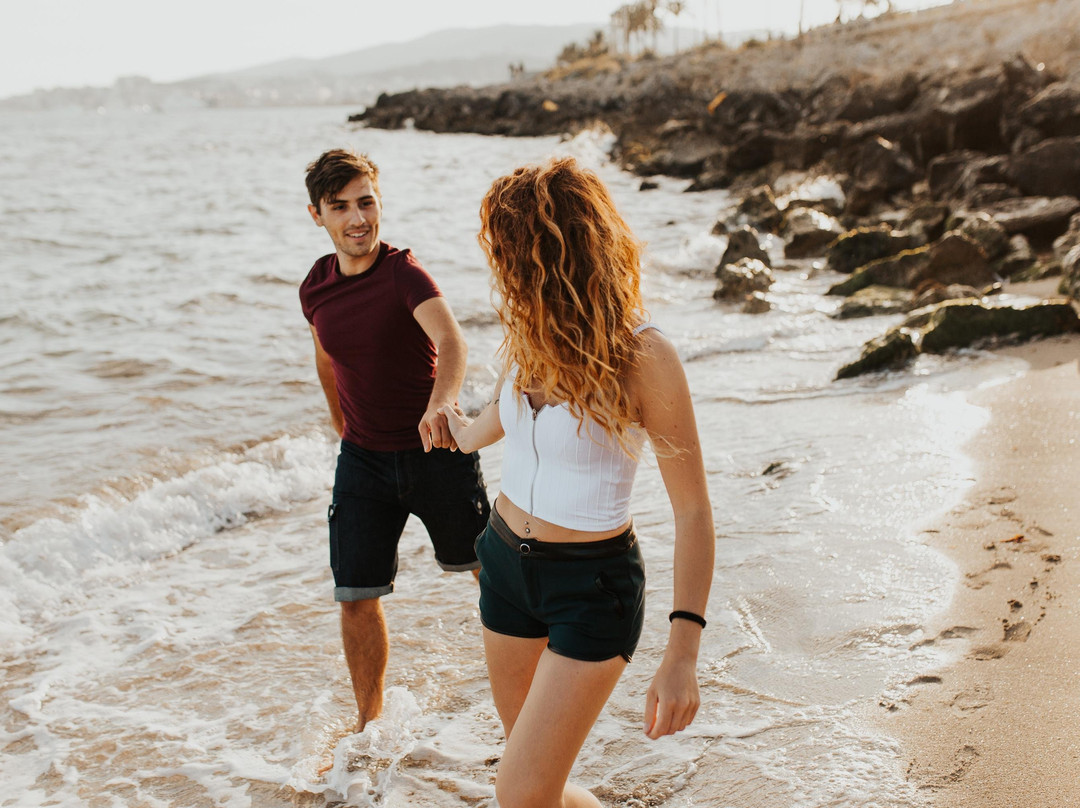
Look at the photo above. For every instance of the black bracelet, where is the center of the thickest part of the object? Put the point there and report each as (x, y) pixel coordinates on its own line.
(693, 618)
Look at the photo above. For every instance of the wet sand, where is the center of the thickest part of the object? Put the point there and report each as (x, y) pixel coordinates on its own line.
(1001, 726)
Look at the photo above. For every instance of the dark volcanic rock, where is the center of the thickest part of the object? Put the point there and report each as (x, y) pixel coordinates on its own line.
(1049, 268)
(859, 247)
(987, 233)
(881, 169)
(961, 174)
(939, 294)
(925, 221)
(960, 323)
(874, 300)
(872, 100)
(743, 243)
(983, 172)
(710, 179)
(1069, 239)
(1039, 218)
(889, 352)
(1052, 168)
(1018, 257)
(753, 149)
(759, 209)
(903, 269)
(956, 259)
(756, 303)
(943, 172)
(1054, 112)
(736, 281)
(805, 145)
(1070, 274)
(969, 111)
(808, 232)
(990, 193)
(686, 154)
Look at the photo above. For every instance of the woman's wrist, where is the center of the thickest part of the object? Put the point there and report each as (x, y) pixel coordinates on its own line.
(682, 614)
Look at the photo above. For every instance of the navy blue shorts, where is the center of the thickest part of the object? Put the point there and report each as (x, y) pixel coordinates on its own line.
(587, 598)
(374, 493)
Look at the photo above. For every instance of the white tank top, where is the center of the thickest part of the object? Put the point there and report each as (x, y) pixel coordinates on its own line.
(580, 482)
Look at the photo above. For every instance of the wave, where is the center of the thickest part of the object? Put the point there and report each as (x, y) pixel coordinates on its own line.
(127, 368)
(225, 299)
(479, 319)
(592, 146)
(34, 241)
(44, 562)
(30, 322)
(747, 344)
(20, 418)
(274, 280)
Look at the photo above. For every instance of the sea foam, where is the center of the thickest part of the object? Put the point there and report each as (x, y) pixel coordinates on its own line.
(45, 561)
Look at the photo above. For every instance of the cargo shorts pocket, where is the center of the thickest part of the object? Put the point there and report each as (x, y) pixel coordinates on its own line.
(332, 521)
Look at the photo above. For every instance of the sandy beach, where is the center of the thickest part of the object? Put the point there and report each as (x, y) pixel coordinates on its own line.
(999, 726)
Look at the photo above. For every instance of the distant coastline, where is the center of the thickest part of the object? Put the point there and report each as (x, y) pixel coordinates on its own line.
(453, 57)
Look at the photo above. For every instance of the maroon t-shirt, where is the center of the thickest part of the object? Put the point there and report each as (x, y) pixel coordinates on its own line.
(384, 363)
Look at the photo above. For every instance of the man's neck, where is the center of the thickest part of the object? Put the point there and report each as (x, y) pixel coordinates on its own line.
(351, 265)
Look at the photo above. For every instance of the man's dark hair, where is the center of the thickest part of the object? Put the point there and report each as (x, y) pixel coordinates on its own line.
(334, 170)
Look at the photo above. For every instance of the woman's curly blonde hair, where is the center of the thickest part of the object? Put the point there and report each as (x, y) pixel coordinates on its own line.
(567, 277)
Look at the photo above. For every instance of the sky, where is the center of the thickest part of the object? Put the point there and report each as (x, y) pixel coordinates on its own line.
(75, 43)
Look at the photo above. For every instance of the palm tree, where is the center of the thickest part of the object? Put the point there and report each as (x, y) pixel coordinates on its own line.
(622, 25)
(675, 8)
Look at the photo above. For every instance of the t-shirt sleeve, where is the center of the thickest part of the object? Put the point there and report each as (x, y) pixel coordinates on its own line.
(414, 283)
(305, 303)
(315, 276)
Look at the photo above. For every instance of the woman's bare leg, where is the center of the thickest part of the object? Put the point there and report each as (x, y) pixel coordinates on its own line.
(548, 704)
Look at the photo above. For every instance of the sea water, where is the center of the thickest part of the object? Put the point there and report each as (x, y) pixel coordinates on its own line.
(167, 630)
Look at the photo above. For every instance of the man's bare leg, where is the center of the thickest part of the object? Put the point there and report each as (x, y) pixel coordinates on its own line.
(363, 632)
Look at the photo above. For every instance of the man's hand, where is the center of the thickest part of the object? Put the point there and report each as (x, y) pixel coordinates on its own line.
(435, 431)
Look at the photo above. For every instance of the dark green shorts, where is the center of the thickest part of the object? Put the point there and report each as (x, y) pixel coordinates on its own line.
(587, 598)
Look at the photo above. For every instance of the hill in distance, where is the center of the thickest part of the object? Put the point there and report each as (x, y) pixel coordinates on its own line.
(474, 56)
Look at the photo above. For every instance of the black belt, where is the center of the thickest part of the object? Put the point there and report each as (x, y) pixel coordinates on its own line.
(562, 551)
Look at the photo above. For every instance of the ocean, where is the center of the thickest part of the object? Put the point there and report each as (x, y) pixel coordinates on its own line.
(168, 635)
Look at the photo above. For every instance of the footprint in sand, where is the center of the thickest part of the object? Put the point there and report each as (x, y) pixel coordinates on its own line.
(966, 702)
(977, 580)
(939, 775)
(1016, 632)
(951, 633)
(985, 652)
(925, 680)
(1002, 496)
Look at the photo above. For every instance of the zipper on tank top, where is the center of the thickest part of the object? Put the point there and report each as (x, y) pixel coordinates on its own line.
(536, 457)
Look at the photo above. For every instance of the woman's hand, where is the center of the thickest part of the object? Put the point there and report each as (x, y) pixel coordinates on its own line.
(456, 420)
(673, 698)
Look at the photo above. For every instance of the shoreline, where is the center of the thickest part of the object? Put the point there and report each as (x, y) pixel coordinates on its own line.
(998, 725)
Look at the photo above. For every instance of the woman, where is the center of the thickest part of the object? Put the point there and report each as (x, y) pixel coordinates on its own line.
(585, 380)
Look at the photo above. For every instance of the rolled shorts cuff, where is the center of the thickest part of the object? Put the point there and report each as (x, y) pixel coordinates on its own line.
(471, 565)
(348, 594)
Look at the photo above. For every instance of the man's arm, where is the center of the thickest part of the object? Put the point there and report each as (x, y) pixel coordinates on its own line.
(435, 317)
(329, 385)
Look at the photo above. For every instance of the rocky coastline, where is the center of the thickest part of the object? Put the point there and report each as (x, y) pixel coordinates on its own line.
(932, 157)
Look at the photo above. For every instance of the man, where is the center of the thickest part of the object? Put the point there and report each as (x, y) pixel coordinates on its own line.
(389, 354)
